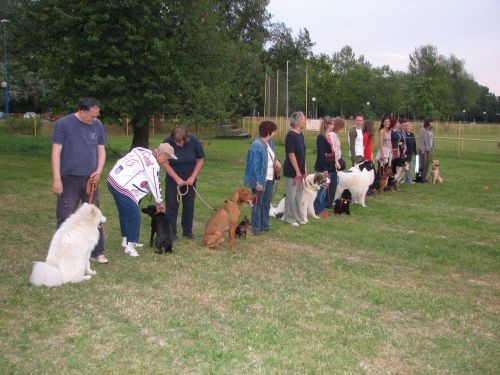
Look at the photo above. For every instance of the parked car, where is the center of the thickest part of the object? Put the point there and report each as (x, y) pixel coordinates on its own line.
(30, 115)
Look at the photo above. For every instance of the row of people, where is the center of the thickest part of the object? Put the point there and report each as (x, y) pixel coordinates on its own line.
(79, 155)
(395, 139)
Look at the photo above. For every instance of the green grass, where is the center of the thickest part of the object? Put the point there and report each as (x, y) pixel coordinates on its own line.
(409, 284)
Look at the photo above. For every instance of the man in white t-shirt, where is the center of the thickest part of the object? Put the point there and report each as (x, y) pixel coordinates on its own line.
(356, 140)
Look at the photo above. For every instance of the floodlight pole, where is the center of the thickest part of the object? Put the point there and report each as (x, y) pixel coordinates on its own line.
(5, 83)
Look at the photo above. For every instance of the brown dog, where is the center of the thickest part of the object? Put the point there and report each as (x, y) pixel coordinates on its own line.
(226, 218)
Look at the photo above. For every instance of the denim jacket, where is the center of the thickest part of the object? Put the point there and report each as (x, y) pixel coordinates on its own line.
(256, 168)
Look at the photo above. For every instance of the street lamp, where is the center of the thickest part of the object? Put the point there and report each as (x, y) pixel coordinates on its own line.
(484, 117)
(314, 106)
(464, 115)
(5, 83)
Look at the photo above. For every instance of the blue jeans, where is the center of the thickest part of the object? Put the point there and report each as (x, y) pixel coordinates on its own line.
(409, 174)
(320, 201)
(129, 214)
(74, 192)
(260, 210)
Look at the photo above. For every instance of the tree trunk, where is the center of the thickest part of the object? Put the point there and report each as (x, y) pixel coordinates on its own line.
(140, 124)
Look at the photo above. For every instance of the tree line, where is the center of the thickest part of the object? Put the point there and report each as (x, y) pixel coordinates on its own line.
(206, 60)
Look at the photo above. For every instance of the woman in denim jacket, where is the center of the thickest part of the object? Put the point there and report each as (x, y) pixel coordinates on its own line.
(259, 175)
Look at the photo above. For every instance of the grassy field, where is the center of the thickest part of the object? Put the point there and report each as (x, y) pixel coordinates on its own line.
(410, 284)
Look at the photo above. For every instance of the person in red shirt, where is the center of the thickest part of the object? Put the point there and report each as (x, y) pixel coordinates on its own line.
(368, 139)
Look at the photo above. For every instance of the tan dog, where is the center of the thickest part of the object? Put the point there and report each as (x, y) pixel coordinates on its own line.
(435, 172)
(225, 218)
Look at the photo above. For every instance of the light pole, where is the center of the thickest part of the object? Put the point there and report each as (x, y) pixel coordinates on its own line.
(5, 83)
(484, 117)
(464, 115)
(287, 61)
(314, 106)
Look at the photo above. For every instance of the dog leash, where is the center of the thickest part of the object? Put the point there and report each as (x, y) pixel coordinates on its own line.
(180, 195)
(91, 188)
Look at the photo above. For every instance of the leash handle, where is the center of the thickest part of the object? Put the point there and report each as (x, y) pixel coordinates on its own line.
(90, 189)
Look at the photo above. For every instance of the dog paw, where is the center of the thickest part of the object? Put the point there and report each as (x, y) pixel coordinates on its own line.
(91, 273)
(87, 277)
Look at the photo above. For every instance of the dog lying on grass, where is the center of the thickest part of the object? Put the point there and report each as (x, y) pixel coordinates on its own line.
(226, 218)
(162, 233)
(68, 259)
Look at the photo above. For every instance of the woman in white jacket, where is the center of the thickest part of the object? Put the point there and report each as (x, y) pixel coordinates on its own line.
(132, 177)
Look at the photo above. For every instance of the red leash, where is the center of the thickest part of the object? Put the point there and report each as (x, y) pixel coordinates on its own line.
(91, 187)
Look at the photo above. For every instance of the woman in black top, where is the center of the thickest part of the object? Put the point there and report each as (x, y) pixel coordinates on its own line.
(181, 177)
(325, 163)
(294, 169)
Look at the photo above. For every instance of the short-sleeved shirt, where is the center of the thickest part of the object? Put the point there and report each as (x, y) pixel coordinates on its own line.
(79, 145)
(187, 155)
(294, 143)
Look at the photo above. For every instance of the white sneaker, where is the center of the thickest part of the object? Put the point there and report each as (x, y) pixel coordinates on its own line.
(124, 243)
(130, 250)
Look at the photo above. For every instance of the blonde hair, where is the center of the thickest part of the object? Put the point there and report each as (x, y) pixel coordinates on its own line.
(327, 121)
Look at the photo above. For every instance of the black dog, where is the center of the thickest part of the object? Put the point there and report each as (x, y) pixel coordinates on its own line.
(419, 177)
(342, 204)
(242, 228)
(161, 226)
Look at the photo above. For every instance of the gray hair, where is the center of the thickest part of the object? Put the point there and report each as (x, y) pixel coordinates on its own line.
(295, 117)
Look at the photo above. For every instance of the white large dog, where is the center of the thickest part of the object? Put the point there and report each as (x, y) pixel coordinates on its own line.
(357, 180)
(69, 252)
(310, 186)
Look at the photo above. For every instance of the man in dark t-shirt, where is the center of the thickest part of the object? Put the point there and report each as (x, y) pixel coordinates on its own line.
(78, 154)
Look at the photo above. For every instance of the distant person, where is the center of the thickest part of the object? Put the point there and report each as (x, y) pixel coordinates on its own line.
(338, 125)
(356, 150)
(294, 169)
(396, 138)
(426, 147)
(325, 163)
(182, 174)
(384, 154)
(259, 175)
(133, 176)
(410, 149)
(78, 155)
(368, 139)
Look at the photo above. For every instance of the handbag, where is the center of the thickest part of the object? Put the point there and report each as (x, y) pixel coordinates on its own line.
(277, 171)
(330, 157)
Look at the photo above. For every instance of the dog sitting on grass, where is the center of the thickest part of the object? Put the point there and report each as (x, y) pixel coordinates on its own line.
(242, 228)
(68, 259)
(162, 233)
(342, 204)
(436, 172)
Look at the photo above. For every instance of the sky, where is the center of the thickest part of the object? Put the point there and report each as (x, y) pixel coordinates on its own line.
(386, 32)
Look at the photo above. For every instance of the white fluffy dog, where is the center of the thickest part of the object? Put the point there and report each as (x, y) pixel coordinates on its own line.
(279, 210)
(357, 179)
(68, 259)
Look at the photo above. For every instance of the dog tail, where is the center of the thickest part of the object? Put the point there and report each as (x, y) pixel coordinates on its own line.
(45, 274)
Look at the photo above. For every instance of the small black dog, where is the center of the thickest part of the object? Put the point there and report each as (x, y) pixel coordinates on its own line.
(161, 226)
(342, 204)
(242, 228)
(419, 178)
